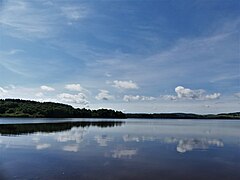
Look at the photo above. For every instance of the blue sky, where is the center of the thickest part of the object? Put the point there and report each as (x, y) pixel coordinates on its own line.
(134, 56)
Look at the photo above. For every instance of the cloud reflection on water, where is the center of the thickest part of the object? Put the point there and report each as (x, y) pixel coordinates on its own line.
(69, 140)
(42, 146)
(183, 144)
(135, 138)
(71, 148)
(192, 144)
(103, 140)
(66, 140)
(75, 134)
(124, 153)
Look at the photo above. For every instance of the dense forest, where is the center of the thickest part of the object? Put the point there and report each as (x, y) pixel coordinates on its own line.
(27, 108)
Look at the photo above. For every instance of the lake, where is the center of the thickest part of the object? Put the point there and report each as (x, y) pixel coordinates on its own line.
(135, 149)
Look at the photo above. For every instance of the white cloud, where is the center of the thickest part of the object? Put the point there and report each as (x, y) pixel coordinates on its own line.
(147, 98)
(129, 98)
(79, 98)
(186, 93)
(18, 92)
(74, 87)
(169, 97)
(125, 84)
(213, 96)
(104, 95)
(47, 88)
(43, 146)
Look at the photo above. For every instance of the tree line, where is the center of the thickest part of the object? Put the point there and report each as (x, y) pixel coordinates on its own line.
(28, 108)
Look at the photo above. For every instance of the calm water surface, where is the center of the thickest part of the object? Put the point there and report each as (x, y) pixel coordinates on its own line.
(136, 149)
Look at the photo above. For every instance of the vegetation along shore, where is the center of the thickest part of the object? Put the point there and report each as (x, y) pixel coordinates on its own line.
(34, 109)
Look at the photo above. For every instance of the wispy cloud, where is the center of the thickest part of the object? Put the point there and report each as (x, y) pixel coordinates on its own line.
(11, 52)
(132, 58)
(22, 18)
(11, 63)
(74, 13)
(25, 19)
(184, 59)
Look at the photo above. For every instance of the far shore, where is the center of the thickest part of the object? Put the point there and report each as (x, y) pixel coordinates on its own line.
(18, 108)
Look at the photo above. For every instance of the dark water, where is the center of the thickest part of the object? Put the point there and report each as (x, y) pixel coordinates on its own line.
(136, 149)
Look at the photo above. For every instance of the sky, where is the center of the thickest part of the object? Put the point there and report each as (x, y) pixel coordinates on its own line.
(128, 55)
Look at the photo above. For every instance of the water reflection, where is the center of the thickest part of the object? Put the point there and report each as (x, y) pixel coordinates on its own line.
(71, 148)
(134, 138)
(65, 136)
(185, 145)
(75, 134)
(149, 150)
(103, 140)
(124, 153)
(129, 138)
(18, 129)
(42, 146)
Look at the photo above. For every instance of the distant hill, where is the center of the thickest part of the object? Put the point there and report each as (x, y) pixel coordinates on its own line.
(26, 108)
(235, 115)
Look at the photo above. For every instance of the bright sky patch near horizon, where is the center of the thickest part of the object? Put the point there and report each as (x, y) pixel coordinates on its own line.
(133, 56)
